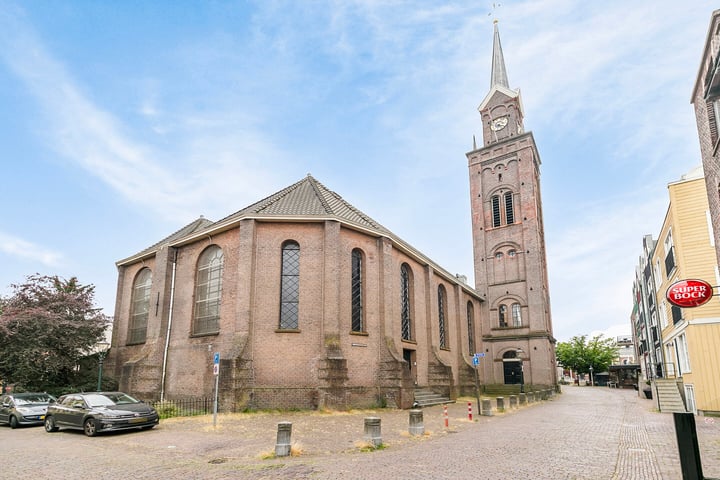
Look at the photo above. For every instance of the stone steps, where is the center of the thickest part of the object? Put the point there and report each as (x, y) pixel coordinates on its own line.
(668, 394)
(427, 398)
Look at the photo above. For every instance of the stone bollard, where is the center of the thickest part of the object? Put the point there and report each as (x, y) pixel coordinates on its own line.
(523, 399)
(500, 404)
(486, 407)
(417, 427)
(513, 401)
(282, 445)
(531, 397)
(544, 394)
(372, 431)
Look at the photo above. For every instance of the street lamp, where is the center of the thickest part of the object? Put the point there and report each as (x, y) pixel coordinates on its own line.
(103, 348)
(592, 384)
(519, 353)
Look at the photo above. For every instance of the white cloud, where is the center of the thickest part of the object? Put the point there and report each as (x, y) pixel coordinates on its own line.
(20, 248)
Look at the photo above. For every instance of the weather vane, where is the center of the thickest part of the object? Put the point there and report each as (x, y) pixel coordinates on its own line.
(495, 6)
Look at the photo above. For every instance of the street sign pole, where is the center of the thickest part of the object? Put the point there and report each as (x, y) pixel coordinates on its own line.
(476, 363)
(216, 372)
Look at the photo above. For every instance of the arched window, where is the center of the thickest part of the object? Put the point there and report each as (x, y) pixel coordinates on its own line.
(471, 328)
(503, 211)
(356, 291)
(140, 307)
(290, 286)
(208, 291)
(516, 315)
(405, 302)
(502, 316)
(441, 316)
(509, 212)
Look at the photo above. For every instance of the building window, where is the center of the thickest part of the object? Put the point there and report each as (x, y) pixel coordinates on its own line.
(516, 315)
(471, 328)
(140, 307)
(509, 212)
(676, 314)
(356, 291)
(405, 302)
(502, 316)
(495, 211)
(208, 290)
(441, 316)
(682, 354)
(290, 286)
(669, 256)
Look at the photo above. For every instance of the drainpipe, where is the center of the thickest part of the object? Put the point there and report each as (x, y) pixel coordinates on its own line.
(169, 326)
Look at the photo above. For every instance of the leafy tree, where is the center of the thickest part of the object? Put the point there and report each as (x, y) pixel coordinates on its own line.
(46, 327)
(580, 353)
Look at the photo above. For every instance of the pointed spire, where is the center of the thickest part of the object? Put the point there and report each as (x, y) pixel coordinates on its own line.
(498, 76)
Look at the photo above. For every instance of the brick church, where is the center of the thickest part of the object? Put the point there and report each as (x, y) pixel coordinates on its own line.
(307, 302)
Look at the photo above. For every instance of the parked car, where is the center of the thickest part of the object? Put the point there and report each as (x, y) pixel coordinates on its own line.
(99, 412)
(24, 408)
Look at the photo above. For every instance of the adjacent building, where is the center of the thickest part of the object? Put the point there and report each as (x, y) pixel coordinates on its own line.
(302, 300)
(690, 336)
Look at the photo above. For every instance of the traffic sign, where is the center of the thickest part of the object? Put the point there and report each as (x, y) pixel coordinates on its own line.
(216, 358)
(476, 361)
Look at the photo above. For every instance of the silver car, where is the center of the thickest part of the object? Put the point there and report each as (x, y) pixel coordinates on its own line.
(24, 408)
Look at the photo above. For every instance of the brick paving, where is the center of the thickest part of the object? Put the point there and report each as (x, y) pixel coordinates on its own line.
(584, 433)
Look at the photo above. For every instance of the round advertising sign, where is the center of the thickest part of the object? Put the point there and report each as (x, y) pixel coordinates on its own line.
(689, 293)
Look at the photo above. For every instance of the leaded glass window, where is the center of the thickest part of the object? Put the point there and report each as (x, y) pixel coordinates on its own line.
(290, 287)
(441, 316)
(356, 293)
(471, 328)
(208, 291)
(140, 307)
(406, 321)
(502, 315)
(516, 315)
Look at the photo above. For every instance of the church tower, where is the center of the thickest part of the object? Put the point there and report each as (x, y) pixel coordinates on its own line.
(509, 240)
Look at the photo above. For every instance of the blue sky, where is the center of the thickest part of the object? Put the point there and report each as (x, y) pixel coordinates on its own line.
(123, 121)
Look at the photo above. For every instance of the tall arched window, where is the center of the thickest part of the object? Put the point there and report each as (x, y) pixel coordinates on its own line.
(471, 328)
(503, 211)
(516, 315)
(140, 307)
(441, 316)
(290, 287)
(502, 316)
(208, 291)
(405, 299)
(356, 291)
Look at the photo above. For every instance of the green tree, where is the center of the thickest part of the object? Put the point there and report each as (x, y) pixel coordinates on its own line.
(580, 353)
(47, 326)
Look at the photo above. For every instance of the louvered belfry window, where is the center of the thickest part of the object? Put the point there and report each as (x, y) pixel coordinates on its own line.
(471, 328)
(405, 302)
(356, 293)
(290, 286)
(495, 201)
(509, 212)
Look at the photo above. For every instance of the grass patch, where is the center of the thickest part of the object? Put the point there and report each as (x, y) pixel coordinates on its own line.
(365, 446)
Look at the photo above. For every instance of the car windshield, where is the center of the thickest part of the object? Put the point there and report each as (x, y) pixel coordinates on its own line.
(30, 399)
(108, 399)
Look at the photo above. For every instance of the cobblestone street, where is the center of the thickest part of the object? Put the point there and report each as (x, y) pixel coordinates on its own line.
(584, 433)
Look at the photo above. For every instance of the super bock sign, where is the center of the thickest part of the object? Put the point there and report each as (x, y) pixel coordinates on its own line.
(689, 293)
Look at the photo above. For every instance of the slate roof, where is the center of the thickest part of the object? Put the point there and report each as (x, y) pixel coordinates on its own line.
(307, 199)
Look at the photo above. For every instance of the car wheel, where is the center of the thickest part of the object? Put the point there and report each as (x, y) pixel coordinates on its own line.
(50, 426)
(13, 422)
(89, 427)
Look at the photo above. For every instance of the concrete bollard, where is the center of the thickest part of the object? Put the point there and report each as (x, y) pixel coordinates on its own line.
(284, 433)
(523, 399)
(500, 404)
(416, 427)
(531, 397)
(486, 407)
(372, 431)
(513, 401)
